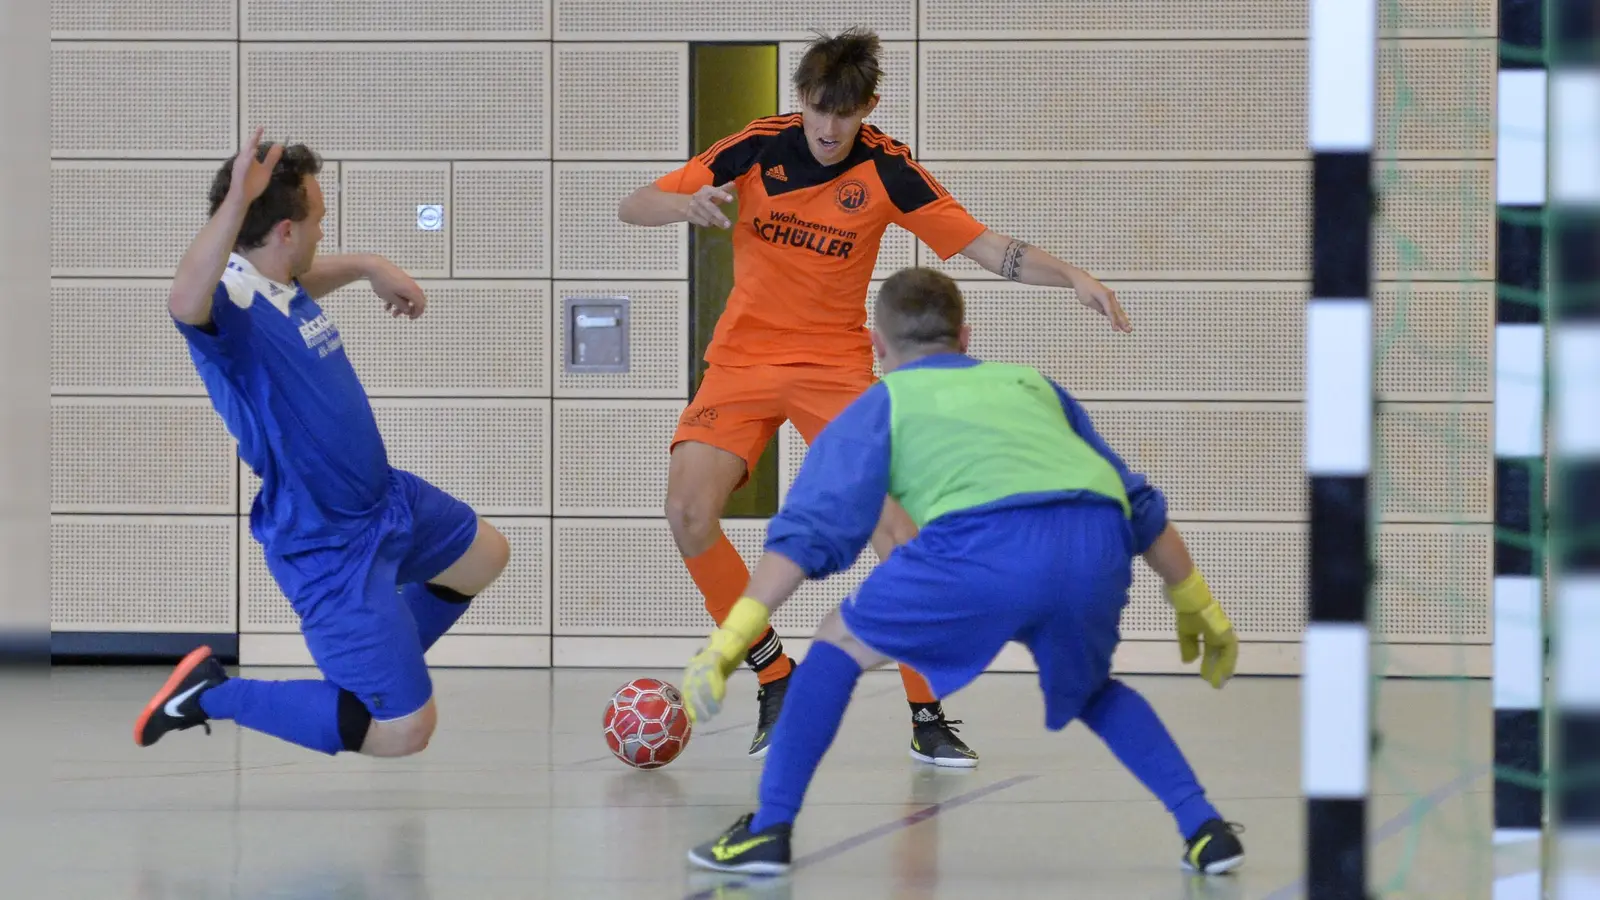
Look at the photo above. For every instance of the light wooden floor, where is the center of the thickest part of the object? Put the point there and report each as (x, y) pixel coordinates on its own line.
(517, 798)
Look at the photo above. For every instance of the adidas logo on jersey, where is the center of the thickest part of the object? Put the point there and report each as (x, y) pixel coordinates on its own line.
(776, 173)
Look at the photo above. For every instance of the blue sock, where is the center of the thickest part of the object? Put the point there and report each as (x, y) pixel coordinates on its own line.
(1124, 720)
(819, 691)
(434, 608)
(300, 712)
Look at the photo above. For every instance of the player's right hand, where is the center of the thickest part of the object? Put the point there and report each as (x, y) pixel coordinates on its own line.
(1202, 621)
(250, 175)
(705, 679)
(705, 206)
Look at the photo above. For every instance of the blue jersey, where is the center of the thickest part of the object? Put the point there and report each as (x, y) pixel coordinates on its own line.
(276, 370)
(837, 498)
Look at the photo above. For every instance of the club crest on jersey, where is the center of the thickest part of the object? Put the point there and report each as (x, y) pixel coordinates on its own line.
(851, 196)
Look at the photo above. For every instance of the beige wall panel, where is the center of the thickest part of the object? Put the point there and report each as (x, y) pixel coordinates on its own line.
(1132, 220)
(726, 20)
(591, 242)
(1227, 461)
(143, 19)
(621, 101)
(517, 603)
(1436, 462)
(1223, 461)
(378, 205)
(1434, 584)
(125, 218)
(499, 20)
(1436, 98)
(1435, 341)
(115, 336)
(611, 456)
(626, 577)
(658, 341)
(139, 455)
(1054, 19)
(476, 338)
(124, 100)
(1436, 221)
(403, 101)
(490, 454)
(1023, 19)
(897, 107)
(143, 573)
(1257, 570)
(1191, 340)
(1185, 100)
(502, 219)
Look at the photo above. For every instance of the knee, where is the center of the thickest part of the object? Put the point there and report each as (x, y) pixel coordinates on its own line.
(694, 519)
(496, 550)
(402, 737)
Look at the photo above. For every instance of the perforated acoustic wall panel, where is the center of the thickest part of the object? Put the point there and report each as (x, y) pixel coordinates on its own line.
(1436, 462)
(658, 341)
(621, 101)
(1431, 226)
(144, 573)
(378, 203)
(475, 339)
(411, 101)
(590, 242)
(1434, 341)
(270, 20)
(1122, 99)
(139, 455)
(124, 218)
(1191, 220)
(143, 101)
(143, 20)
(611, 456)
(114, 336)
(1192, 340)
(727, 20)
(1437, 98)
(517, 603)
(501, 219)
(1023, 19)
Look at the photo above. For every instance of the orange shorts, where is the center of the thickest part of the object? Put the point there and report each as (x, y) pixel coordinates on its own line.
(740, 408)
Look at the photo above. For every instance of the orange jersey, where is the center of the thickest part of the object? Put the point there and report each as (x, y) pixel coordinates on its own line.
(807, 236)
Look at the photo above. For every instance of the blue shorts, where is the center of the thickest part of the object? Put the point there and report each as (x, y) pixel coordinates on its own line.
(355, 621)
(1052, 577)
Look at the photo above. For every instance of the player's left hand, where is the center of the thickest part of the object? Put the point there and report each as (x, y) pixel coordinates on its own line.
(1102, 299)
(401, 295)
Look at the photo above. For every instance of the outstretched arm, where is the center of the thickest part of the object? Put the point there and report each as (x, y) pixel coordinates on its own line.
(401, 295)
(1019, 261)
(194, 284)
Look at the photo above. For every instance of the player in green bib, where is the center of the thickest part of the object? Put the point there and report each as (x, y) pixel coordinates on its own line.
(1028, 527)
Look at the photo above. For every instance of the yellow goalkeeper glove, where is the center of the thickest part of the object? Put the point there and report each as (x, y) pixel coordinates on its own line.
(1201, 619)
(705, 678)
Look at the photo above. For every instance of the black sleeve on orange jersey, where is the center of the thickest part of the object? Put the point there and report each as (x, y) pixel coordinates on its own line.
(909, 189)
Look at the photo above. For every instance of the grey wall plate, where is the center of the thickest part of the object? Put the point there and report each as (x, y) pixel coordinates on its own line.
(597, 334)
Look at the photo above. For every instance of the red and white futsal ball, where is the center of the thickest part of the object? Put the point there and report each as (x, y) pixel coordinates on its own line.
(646, 725)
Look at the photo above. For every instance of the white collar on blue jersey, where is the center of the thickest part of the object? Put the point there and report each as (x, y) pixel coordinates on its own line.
(245, 283)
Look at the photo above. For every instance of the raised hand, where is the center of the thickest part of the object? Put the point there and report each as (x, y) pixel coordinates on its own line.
(1102, 299)
(401, 295)
(251, 175)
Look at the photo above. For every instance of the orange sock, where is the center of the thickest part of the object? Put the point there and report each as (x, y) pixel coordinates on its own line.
(917, 689)
(721, 576)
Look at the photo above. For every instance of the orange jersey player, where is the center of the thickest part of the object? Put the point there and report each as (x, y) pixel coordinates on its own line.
(815, 190)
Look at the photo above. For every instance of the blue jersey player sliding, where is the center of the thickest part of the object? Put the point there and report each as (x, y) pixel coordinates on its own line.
(1028, 524)
(376, 562)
